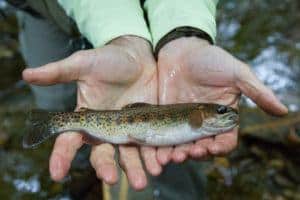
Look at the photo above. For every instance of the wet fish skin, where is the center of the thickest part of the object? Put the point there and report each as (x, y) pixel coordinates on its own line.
(140, 123)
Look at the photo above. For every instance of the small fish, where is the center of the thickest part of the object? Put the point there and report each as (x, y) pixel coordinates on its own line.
(139, 123)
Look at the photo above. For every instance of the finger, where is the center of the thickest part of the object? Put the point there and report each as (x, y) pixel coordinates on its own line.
(180, 152)
(64, 151)
(224, 143)
(198, 151)
(249, 84)
(62, 71)
(200, 148)
(164, 155)
(151, 163)
(131, 163)
(102, 160)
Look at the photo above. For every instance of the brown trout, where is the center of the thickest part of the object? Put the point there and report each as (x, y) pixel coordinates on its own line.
(139, 123)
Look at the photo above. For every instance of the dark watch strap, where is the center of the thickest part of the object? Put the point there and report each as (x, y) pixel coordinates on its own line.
(184, 31)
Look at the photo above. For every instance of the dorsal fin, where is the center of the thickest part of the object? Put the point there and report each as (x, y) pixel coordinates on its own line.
(136, 105)
(84, 109)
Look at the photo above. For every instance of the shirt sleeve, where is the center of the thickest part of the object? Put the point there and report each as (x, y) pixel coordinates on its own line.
(100, 21)
(166, 15)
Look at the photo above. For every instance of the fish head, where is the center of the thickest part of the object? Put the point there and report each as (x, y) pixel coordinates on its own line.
(220, 119)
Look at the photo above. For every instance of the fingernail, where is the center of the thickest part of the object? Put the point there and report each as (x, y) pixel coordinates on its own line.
(140, 183)
(109, 178)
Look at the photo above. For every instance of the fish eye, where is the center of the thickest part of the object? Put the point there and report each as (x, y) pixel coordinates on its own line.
(222, 109)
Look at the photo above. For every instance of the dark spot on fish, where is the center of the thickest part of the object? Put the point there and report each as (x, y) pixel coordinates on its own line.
(144, 117)
(130, 120)
(89, 118)
(161, 116)
(118, 120)
(138, 119)
(98, 119)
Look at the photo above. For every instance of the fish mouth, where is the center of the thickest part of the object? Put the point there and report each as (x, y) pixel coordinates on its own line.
(233, 118)
(223, 123)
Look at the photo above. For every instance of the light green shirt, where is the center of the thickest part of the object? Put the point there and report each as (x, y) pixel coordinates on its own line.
(102, 20)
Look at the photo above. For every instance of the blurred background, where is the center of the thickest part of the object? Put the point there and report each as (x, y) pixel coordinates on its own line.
(266, 164)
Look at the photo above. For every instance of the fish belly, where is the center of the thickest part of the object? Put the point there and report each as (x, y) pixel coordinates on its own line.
(165, 136)
(169, 136)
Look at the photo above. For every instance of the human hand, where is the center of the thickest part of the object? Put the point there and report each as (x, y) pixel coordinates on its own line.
(192, 70)
(120, 73)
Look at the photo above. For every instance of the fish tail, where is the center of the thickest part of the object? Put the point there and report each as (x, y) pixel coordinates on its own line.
(39, 128)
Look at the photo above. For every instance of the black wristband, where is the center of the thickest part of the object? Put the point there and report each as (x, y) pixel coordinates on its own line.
(176, 33)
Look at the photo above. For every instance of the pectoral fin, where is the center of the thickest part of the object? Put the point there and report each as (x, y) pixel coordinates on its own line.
(138, 139)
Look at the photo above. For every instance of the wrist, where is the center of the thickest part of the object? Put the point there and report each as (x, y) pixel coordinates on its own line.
(181, 32)
(130, 41)
(137, 47)
(179, 46)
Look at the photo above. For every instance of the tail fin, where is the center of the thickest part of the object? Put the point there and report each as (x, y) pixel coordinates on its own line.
(39, 128)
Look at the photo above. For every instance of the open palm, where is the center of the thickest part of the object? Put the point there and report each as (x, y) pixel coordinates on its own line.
(118, 74)
(192, 70)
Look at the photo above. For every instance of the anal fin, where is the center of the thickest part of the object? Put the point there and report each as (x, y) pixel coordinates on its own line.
(90, 139)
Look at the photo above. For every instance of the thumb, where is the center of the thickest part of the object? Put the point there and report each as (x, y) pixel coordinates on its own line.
(62, 71)
(252, 87)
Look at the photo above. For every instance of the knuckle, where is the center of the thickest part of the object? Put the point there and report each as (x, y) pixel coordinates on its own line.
(79, 56)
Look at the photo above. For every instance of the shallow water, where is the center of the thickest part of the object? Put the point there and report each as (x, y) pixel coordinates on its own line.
(265, 34)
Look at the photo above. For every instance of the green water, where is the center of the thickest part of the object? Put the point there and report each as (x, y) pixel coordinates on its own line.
(266, 34)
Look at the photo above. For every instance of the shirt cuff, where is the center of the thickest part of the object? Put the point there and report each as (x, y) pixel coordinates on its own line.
(166, 15)
(101, 21)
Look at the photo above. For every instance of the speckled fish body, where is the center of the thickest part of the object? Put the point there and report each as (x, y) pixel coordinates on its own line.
(155, 125)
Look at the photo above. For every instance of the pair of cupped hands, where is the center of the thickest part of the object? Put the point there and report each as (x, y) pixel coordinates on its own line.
(124, 71)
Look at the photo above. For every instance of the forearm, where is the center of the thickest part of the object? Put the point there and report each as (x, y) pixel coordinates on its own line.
(100, 21)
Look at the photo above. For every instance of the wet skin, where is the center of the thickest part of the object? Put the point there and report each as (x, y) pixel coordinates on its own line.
(124, 71)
